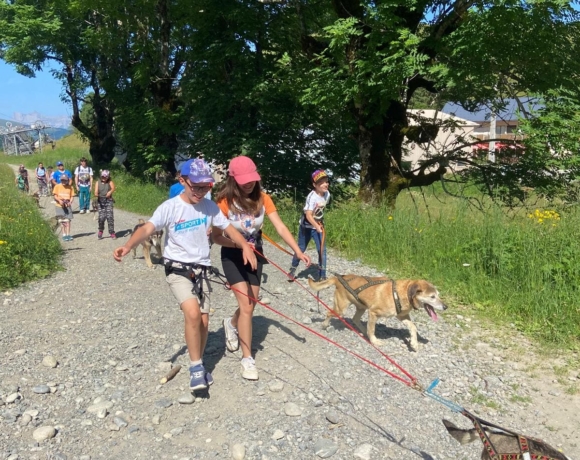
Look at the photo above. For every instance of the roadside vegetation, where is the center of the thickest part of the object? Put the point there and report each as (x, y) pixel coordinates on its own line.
(517, 268)
(28, 248)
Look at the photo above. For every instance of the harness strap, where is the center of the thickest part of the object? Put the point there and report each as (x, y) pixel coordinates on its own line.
(197, 273)
(370, 283)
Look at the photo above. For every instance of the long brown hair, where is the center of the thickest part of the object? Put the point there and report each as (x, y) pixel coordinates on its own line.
(251, 204)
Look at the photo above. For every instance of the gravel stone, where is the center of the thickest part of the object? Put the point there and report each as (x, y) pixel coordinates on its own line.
(49, 361)
(186, 398)
(325, 448)
(238, 452)
(292, 410)
(364, 452)
(164, 403)
(332, 417)
(276, 386)
(43, 433)
(41, 389)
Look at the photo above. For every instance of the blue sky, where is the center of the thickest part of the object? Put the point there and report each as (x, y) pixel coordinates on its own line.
(25, 95)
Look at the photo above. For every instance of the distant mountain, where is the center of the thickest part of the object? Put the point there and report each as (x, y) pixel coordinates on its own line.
(54, 133)
(58, 121)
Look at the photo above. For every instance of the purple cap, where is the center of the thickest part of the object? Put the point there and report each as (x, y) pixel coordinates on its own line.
(197, 171)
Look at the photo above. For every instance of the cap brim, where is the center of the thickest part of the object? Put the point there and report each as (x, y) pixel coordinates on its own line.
(201, 179)
(249, 177)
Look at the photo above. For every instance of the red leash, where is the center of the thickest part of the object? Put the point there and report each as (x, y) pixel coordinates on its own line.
(410, 381)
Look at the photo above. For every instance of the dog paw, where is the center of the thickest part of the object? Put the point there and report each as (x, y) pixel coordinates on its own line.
(414, 347)
(378, 342)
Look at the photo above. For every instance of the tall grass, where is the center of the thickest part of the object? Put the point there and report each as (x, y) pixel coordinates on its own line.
(28, 248)
(514, 269)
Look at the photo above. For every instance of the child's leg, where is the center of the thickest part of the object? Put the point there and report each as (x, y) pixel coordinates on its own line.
(321, 248)
(242, 319)
(196, 328)
(304, 235)
(110, 218)
(102, 214)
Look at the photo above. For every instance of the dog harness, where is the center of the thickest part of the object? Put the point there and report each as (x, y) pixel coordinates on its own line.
(370, 283)
(523, 441)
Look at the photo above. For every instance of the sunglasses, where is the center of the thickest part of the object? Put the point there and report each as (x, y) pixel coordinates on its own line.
(197, 189)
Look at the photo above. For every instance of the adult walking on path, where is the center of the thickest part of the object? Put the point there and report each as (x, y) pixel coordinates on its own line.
(84, 183)
(56, 175)
(245, 204)
(41, 179)
(187, 219)
(104, 189)
(63, 197)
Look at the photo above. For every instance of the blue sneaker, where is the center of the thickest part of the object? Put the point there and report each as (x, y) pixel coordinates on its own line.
(208, 378)
(197, 379)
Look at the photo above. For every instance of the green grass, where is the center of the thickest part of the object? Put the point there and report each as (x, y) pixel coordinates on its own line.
(28, 248)
(509, 268)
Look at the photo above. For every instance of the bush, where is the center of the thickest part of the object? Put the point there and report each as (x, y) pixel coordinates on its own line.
(28, 248)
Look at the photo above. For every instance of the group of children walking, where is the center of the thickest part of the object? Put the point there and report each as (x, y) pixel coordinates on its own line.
(59, 184)
(234, 222)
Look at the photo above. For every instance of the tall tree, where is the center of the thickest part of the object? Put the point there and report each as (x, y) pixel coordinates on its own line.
(375, 55)
(35, 33)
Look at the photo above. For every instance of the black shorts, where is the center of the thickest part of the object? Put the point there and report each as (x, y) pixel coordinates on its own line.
(236, 272)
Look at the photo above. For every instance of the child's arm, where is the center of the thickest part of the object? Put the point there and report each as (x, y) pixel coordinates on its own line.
(310, 218)
(234, 239)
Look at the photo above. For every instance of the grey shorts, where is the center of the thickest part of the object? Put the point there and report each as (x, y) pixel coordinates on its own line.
(61, 214)
(182, 289)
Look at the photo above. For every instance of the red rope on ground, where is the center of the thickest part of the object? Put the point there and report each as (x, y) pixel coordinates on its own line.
(318, 334)
(412, 380)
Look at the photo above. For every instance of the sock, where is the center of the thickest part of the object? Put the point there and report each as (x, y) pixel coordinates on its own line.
(196, 363)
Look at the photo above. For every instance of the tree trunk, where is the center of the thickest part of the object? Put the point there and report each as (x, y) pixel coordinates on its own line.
(380, 150)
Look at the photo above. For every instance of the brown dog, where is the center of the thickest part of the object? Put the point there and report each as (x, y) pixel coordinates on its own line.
(95, 207)
(36, 198)
(379, 300)
(504, 443)
(154, 241)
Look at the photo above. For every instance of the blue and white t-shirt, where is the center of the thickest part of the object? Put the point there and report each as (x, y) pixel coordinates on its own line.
(187, 225)
(56, 175)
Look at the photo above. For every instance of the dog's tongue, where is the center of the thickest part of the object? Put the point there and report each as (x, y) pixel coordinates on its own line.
(432, 314)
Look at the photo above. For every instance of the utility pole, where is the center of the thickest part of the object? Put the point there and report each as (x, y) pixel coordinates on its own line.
(491, 152)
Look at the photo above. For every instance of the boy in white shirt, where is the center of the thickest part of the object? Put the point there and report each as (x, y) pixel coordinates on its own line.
(187, 218)
(312, 223)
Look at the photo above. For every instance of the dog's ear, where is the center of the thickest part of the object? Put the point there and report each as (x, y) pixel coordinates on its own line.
(413, 290)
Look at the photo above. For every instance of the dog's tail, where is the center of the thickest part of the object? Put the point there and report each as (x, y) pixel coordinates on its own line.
(320, 285)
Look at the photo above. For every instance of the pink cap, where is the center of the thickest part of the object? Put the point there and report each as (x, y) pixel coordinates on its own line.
(243, 170)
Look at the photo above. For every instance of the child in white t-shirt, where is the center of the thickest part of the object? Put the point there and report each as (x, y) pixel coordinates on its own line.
(312, 222)
(187, 218)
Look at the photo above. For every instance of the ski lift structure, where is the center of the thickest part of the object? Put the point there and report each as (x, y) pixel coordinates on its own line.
(25, 140)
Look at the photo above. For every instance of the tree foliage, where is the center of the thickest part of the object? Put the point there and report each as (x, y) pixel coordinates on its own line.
(296, 84)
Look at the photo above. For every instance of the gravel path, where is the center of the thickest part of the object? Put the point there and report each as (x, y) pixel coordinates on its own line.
(82, 353)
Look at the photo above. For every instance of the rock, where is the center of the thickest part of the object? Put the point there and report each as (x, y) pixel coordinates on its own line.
(164, 367)
(120, 422)
(32, 412)
(332, 417)
(292, 410)
(176, 431)
(102, 413)
(306, 320)
(113, 427)
(278, 434)
(238, 451)
(364, 452)
(276, 386)
(20, 352)
(43, 433)
(133, 429)
(122, 367)
(325, 448)
(186, 398)
(49, 361)
(266, 300)
(156, 419)
(99, 406)
(25, 419)
(164, 403)
(13, 397)
(41, 389)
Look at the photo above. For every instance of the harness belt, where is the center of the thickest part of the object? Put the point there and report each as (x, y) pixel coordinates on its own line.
(523, 441)
(370, 283)
(194, 272)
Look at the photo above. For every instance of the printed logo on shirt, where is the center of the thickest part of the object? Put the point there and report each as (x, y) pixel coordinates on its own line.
(190, 224)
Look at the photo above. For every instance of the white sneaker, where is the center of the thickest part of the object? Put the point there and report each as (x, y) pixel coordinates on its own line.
(231, 333)
(249, 371)
(82, 211)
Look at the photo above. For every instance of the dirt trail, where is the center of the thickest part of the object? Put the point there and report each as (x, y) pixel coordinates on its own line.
(114, 329)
